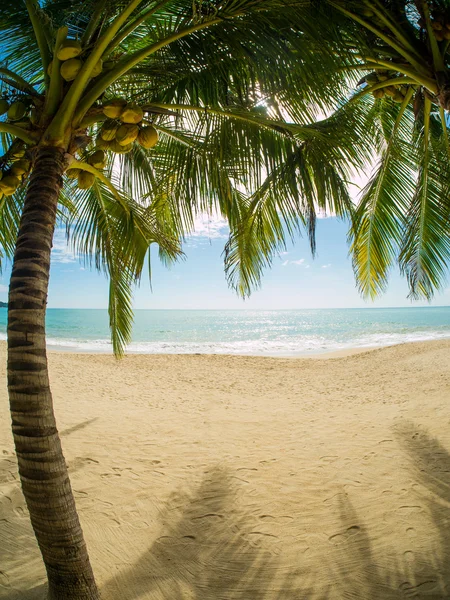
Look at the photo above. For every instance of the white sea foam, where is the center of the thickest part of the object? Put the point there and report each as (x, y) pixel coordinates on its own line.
(287, 347)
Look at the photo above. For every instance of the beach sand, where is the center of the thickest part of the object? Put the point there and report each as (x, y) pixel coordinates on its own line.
(225, 477)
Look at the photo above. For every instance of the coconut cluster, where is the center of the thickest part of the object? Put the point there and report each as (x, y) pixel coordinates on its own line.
(122, 129)
(69, 53)
(396, 92)
(14, 165)
(15, 168)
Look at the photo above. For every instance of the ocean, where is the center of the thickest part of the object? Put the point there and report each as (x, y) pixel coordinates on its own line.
(248, 332)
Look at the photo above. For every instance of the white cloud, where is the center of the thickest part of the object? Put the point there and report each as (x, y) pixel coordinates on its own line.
(298, 263)
(326, 266)
(60, 251)
(3, 288)
(283, 253)
(210, 227)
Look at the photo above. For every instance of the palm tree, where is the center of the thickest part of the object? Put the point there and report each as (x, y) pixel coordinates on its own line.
(391, 59)
(124, 120)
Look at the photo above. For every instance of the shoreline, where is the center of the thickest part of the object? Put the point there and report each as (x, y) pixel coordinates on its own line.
(315, 355)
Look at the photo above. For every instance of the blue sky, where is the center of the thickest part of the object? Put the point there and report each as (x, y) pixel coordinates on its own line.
(198, 282)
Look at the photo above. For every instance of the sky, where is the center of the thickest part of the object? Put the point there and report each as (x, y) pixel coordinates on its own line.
(295, 280)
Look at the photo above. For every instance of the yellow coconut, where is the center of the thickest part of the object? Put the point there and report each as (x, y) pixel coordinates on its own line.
(17, 111)
(70, 68)
(9, 184)
(98, 159)
(378, 93)
(148, 137)
(119, 149)
(108, 131)
(97, 69)
(69, 49)
(3, 106)
(73, 173)
(85, 180)
(126, 134)
(113, 108)
(20, 167)
(132, 114)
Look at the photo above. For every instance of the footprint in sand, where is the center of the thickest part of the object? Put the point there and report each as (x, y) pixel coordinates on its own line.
(340, 538)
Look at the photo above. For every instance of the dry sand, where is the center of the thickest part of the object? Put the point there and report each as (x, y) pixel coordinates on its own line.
(240, 478)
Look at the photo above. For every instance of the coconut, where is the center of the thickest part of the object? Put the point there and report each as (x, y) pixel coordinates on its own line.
(390, 90)
(126, 134)
(97, 69)
(73, 173)
(398, 96)
(34, 116)
(378, 93)
(20, 167)
(98, 159)
(148, 137)
(119, 149)
(108, 131)
(69, 49)
(70, 68)
(3, 106)
(9, 184)
(17, 111)
(102, 144)
(85, 180)
(132, 114)
(113, 108)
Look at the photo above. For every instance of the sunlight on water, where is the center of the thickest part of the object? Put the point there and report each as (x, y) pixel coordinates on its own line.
(272, 332)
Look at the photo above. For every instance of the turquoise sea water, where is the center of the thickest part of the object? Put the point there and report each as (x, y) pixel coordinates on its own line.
(270, 332)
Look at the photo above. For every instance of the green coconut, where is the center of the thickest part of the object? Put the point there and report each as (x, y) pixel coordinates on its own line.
(85, 180)
(17, 150)
(34, 116)
(70, 69)
(126, 134)
(378, 93)
(97, 69)
(132, 114)
(17, 111)
(119, 149)
(108, 131)
(9, 184)
(20, 167)
(113, 108)
(98, 159)
(4, 106)
(148, 137)
(398, 96)
(69, 49)
(102, 144)
(73, 173)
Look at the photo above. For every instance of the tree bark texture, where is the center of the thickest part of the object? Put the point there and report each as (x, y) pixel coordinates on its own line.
(42, 468)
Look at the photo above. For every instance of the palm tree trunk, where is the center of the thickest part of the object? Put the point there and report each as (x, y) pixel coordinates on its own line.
(42, 468)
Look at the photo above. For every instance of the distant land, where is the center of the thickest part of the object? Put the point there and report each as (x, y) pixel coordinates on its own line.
(3, 305)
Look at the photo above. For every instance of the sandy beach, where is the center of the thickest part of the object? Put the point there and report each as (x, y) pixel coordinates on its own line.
(226, 477)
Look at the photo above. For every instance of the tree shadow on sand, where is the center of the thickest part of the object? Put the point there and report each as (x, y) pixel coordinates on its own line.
(208, 550)
(414, 575)
(205, 549)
